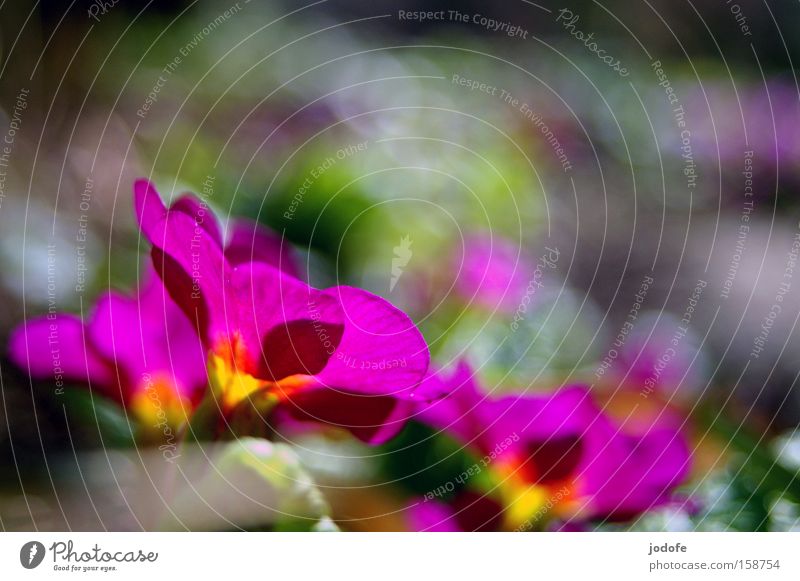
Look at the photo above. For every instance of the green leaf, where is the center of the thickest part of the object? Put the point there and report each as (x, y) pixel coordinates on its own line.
(99, 417)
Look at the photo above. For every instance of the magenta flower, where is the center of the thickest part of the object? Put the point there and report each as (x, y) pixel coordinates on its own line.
(340, 356)
(138, 350)
(556, 455)
(492, 272)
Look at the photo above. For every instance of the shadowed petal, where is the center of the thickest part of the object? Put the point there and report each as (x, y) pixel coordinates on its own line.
(294, 348)
(372, 419)
(469, 512)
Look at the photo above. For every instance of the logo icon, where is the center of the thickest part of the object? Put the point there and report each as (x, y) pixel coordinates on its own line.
(402, 254)
(31, 554)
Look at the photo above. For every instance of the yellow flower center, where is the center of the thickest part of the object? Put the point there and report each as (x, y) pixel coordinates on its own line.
(158, 404)
(529, 505)
(233, 384)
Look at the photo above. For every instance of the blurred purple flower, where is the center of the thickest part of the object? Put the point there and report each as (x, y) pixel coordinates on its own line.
(560, 454)
(661, 355)
(138, 350)
(759, 118)
(492, 272)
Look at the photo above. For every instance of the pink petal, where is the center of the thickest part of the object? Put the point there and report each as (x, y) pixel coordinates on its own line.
(49, 348)
(381, 351)
(493, 272)
(200, 213)
(149, 335)
(149, 208)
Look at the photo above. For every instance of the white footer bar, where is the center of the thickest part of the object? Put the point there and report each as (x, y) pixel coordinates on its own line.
(407, 556)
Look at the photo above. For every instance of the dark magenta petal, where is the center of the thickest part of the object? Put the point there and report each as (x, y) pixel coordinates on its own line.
(150, 211)
(619, 474)
(295, 347)
(381, 351)
(252, 242)
(374, 419)
(475, 512)
(149, 335)
(552, 460)
(58, 349)
(287, 326)
(468, 512)
(201, 214)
